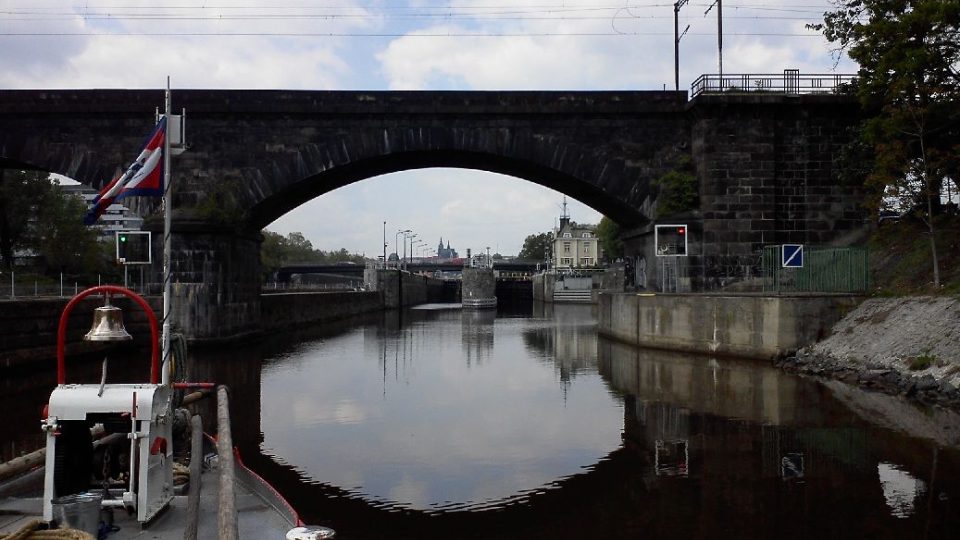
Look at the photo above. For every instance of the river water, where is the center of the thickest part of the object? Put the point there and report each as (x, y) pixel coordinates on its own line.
(440, 423)
(523, 423)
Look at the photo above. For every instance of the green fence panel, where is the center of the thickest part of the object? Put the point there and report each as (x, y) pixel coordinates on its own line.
(825, 270)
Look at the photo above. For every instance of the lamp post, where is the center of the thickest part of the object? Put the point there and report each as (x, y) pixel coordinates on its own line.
(384, 244)
(396, 247)
(411, 237)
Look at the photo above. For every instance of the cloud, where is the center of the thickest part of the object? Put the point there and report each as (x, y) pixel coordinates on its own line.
(761, 41)
(105, 55)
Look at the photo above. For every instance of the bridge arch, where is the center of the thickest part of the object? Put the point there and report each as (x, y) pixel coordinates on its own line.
(576, 172)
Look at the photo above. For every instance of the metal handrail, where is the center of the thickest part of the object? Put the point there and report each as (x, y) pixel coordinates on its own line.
(790, 82)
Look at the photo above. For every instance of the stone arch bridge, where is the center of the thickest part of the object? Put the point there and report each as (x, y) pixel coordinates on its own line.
(764, 164)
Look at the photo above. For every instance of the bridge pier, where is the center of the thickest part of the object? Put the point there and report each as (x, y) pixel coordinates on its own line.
(216, 280)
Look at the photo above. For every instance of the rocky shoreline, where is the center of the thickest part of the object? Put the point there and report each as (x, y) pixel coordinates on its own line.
(924, 389)
(907, 346)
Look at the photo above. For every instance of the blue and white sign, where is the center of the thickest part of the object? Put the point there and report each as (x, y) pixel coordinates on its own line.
(791, 255)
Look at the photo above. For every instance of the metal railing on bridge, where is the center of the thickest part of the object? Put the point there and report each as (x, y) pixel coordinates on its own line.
(790, 82)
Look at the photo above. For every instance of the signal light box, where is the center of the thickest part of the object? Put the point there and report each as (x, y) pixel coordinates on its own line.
(671, 240)
(133, 247)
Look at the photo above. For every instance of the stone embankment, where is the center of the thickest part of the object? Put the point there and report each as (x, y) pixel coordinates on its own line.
(903, 346)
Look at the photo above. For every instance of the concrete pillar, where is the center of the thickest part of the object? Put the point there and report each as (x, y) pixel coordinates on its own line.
(479, 288)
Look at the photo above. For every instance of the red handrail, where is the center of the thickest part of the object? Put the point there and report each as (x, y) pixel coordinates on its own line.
(151, 318)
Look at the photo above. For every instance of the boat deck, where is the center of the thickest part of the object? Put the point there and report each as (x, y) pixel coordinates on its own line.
(256, 518)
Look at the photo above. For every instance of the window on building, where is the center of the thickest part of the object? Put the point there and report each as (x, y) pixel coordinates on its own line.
(586, 235)
(586, 247)
(567, 235)
(566, 247)
(565, 261)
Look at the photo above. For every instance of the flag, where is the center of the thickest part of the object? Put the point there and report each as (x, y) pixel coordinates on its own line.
(144, 177)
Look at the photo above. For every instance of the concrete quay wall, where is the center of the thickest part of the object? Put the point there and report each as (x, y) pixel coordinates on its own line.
(543, 285)
(400, 289)
(761, 327)
(287, 310)
(28, 327)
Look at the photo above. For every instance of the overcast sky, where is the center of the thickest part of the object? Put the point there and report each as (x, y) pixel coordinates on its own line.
(410, 45)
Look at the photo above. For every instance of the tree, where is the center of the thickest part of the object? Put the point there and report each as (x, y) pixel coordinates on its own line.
(536, 247)
(22, 194)
(678, 189)
(909, 86)
(278, 250)
(61, 238)
(608, 233)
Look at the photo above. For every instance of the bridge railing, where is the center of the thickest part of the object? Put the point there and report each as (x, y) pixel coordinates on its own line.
(790, 82)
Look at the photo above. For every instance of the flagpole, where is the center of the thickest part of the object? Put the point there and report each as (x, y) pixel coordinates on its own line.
(167, 211)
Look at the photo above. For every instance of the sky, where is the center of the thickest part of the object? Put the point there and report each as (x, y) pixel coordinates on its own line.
(406, 45)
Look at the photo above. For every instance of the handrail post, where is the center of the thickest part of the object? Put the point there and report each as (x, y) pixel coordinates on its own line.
(227, 514)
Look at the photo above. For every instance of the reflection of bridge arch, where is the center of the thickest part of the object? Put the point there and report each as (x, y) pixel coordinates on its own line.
(733, 481)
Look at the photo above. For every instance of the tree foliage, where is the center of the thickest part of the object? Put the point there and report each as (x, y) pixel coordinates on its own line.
(64, 242)
(278, 250)
(36, 216)
(537, 247)
(909, 86)
(22, 195)
(679, 189)
(609, 234)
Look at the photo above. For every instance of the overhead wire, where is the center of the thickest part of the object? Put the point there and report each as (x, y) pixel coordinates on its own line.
(479, 13)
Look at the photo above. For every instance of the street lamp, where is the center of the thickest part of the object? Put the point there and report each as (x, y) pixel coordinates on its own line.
(384, 244)
(396, 248)
(407, 235)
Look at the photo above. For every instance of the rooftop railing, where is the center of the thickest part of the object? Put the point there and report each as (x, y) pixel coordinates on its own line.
(790, 82)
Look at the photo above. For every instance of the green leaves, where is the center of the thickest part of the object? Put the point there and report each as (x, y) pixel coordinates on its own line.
(536, 247)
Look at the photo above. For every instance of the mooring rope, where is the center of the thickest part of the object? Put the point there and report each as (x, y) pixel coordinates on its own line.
(31, 531)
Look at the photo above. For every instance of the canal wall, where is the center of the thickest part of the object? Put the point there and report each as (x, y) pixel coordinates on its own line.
(543, 285)
(401, 289)
(28, 327)
(287, 310)
(762, 327)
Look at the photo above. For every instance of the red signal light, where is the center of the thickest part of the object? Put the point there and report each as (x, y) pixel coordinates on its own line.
(681, 230)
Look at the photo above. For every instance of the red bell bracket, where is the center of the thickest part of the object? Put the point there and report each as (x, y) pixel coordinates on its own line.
(112, 289)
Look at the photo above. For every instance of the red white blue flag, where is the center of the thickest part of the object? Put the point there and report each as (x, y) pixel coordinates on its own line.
(144, 177)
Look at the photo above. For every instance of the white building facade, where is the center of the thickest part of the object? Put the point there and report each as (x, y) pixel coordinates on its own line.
(575, 246)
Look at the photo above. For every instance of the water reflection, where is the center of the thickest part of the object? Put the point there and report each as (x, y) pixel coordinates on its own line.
(382, 427)
(425, 415)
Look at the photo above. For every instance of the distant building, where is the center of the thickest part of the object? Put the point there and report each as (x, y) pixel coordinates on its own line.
(444, 253)
(575, 246)
(116, 218)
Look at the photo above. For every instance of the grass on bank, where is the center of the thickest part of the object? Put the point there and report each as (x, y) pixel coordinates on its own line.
(900, 257)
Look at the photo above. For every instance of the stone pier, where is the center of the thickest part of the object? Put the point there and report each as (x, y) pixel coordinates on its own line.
(479, 288)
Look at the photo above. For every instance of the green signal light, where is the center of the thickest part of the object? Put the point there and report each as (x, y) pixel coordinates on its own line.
(123, 238)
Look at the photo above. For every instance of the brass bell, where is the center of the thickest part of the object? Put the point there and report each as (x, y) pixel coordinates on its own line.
(107, 325)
